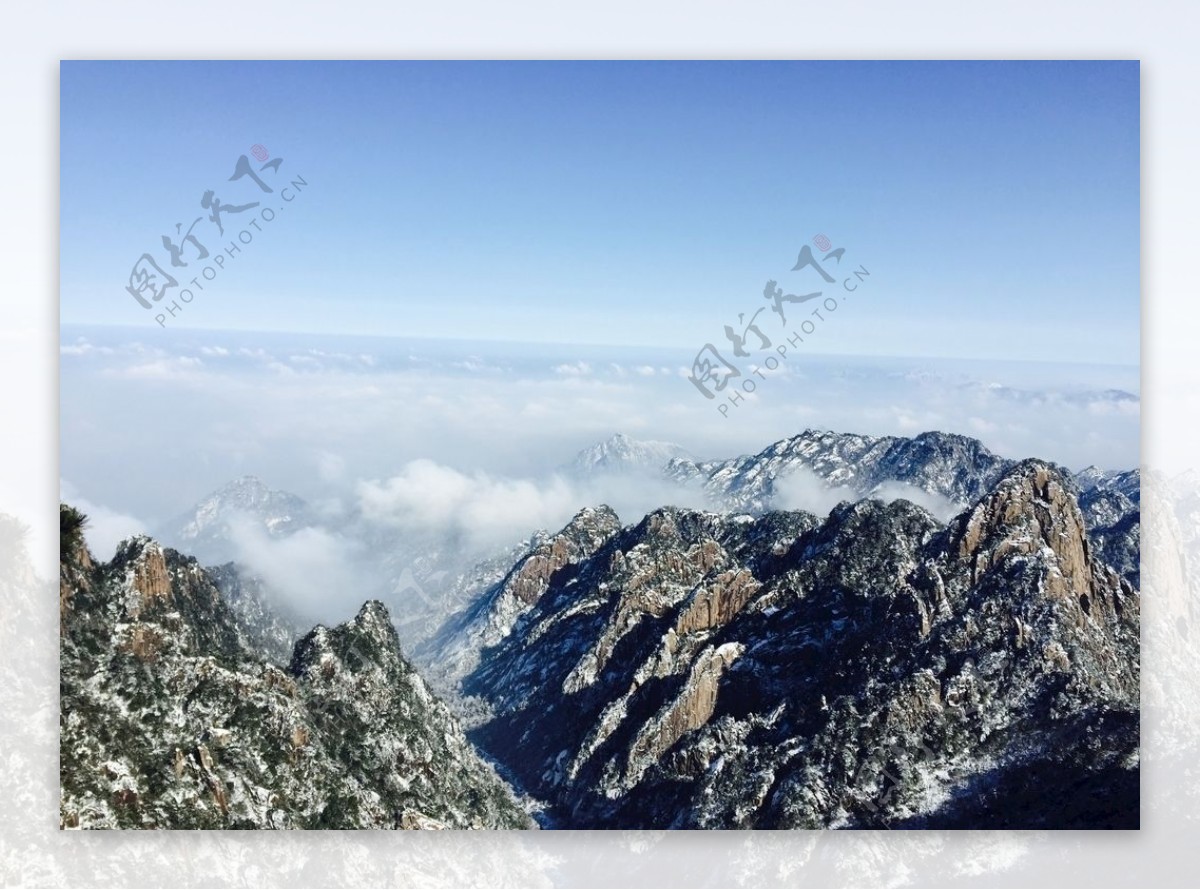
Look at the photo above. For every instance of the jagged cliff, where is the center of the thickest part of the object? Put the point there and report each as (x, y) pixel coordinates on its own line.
(878, 666)
(873, 668)
(174, 715)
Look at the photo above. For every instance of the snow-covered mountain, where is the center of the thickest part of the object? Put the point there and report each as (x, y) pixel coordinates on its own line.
(429, 580)
(952, 467)
(941, 472)
(207, 530)
(871, 668)
(270, 626)
(1125, 482)
(941, 648)
(700, 668)
(620, 453)
(174, 715)
(950, 470)
(499, 599)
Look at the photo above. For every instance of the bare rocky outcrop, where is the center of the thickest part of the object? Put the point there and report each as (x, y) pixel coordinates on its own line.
(715, 604)
(874, 668)
(1030, 510)
(690, 710)
(585, 533)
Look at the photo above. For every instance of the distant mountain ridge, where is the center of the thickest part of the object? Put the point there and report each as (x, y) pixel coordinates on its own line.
(951, 466)
(205, 530)
(622, 453)
(948, 465)
(421, 579)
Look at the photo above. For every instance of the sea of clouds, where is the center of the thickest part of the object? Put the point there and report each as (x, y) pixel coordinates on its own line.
(473, 441)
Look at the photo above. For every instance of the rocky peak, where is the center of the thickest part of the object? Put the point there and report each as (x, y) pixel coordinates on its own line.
(1104, 507)
(586, 533)
(1090, 477)
(867, 546)
(1027, 555)
(453, 650)
(170, 720)
(953, 466)
(1127, 482)
(367, 640)
(147, 561)
(245, 488)
(592, 526)
(251, 493)
(1029, 511)
(667, 525)
(374, 621)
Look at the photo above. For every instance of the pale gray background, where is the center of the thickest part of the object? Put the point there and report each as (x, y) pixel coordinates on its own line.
(32, 851)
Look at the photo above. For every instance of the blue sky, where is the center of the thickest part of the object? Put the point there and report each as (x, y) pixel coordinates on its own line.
(996, 204)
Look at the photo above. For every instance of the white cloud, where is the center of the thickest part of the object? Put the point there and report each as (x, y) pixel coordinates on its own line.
(319, 572)
(490, 511)
(802, 489)
(573, 369)
(504, 430)
(943, 508)
(177, 368)
(330, 467)
(429, 497)
(82, 347)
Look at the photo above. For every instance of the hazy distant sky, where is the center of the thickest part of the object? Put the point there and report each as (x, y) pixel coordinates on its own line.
(996, 204)
(152, 421)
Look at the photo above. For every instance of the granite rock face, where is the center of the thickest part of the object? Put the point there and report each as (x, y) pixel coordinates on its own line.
(453, 651)
(877, 667)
